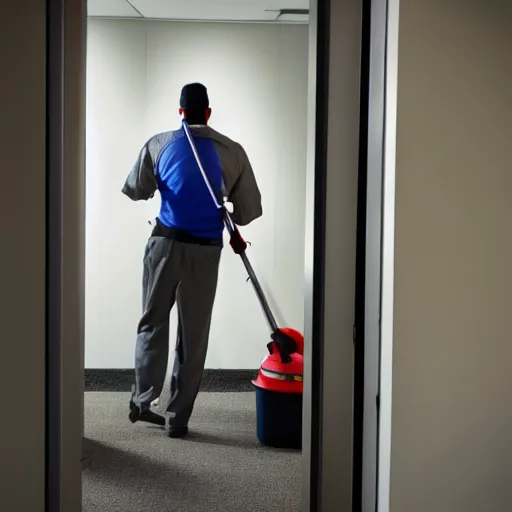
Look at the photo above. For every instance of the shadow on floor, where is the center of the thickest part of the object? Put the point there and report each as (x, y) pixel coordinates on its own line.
(120, 470)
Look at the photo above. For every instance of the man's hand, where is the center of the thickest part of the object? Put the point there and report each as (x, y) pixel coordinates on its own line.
(238, 244)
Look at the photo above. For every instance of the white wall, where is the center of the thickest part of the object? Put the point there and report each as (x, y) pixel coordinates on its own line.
(451, 447)
(257, 81)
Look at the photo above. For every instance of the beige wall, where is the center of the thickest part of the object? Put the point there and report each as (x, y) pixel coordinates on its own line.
(22, 263)
(452, 366)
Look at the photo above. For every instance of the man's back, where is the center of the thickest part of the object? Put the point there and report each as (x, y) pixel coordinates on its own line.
(167, 163)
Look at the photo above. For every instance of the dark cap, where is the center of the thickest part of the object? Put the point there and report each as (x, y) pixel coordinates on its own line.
(194, 96)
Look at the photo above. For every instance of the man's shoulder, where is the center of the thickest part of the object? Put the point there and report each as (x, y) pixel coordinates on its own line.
(223, 140)
(159, 141)
(163, 138)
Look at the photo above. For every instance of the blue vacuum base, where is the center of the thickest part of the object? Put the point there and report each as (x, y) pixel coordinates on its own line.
(279, 419)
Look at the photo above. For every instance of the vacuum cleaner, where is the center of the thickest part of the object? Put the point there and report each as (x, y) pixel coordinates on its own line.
(279, 384)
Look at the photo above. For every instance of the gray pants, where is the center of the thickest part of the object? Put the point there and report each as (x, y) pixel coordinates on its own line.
(186, 274)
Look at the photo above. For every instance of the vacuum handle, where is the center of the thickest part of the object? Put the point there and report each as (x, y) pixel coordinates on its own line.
(259, 293)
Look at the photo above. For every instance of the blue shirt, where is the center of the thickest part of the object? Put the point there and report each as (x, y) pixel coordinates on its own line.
(186, 201)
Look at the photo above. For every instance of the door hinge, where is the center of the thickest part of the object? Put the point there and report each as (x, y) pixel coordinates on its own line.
(377, 401)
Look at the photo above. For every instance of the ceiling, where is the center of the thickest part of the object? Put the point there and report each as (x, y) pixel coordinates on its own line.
(276, 11)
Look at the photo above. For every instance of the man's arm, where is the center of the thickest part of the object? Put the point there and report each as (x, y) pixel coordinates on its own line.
(245, 195)
(141, 184)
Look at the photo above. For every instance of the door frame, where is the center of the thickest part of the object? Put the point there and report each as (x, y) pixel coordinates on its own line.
(334, 138)
(388, 256)
(65, 272)
(367, 334)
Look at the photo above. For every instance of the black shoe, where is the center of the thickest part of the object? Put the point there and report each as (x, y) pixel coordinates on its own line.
(177, 433)
(147, 416)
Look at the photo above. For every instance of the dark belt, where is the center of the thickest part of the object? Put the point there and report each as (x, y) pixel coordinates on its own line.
(182, 236)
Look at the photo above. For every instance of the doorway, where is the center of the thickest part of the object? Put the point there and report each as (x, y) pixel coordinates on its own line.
(256, 73)
(331, 204)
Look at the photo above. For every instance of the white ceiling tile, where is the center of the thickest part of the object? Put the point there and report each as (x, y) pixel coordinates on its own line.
(217, 10)
(111, 8)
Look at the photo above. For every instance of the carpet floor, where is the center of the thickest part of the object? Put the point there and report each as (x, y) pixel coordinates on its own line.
(219, 466)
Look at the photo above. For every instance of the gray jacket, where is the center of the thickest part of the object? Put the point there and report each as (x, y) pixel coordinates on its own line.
(240, 185)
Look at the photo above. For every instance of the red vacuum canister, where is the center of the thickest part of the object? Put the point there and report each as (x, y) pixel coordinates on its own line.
(279, 391)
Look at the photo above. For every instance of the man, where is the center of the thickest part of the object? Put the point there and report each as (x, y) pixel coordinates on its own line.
(181, 259)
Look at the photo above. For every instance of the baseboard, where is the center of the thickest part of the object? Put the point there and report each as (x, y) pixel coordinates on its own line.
(215, 381)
